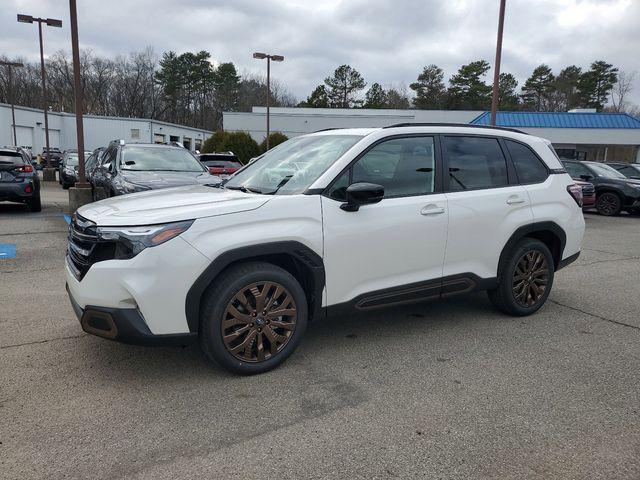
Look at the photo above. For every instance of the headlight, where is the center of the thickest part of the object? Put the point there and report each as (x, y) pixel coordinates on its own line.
(129, 187)
(130, 241)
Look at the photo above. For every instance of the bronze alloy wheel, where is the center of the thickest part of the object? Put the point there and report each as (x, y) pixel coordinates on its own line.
(530, 278)
(259, 321)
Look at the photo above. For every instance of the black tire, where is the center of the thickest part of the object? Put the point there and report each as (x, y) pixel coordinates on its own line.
(65, 186)
(512, 303)
(35, 204)
(609, 204)
(219, 296)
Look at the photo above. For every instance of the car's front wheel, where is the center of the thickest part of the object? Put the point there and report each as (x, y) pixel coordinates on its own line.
(253, 318)
(525, 280)
(608, 204)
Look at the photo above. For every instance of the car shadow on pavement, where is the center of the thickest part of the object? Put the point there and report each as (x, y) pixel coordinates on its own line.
(329, 337)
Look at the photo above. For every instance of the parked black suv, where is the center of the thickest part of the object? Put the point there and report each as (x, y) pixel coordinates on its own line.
(629, 170)
(68, 169)
(135, 167)
(19, 181)
(614, 191)
(56, 157)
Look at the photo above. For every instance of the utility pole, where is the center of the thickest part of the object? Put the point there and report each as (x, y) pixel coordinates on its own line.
(49, 173)
(10, 66)
(496, 70)
(80, 194)
(275, 58)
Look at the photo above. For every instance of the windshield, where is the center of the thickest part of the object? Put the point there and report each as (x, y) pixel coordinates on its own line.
(294, 165)
(157, 159)
(605, 171)
(72, 159)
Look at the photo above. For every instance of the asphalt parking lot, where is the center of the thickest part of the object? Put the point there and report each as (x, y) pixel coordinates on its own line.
(449, 389)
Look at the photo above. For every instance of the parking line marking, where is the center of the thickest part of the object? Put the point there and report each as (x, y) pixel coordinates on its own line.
(67, 218)
(7, 250)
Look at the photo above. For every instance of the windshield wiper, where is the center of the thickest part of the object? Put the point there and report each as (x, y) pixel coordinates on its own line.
(280, 185)
(244, 188)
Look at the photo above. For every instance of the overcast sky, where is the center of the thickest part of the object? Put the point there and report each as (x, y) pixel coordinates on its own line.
(388, 41)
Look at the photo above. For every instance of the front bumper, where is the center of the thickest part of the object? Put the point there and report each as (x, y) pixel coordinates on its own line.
(124, 325)
(154, 283)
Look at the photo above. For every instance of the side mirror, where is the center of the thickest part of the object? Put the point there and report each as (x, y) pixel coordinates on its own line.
(586, 178)
(362, 194)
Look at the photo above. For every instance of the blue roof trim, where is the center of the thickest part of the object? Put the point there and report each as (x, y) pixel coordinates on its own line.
(559, 120)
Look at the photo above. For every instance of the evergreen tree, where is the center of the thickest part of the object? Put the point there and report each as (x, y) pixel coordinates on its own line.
(538, 89)
(376, 97)
(467, 90)
(343, 87)
(430, 89)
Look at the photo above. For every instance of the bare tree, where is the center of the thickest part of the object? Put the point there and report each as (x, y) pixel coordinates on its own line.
(621, 90)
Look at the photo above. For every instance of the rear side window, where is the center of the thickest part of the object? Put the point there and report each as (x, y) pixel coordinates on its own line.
(529, 168)
(576, 169)
(474, 163)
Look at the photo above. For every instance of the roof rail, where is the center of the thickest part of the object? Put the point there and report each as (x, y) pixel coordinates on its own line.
(465, 125)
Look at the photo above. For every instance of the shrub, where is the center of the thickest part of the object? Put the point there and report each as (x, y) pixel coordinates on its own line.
(275, 138)
(214, 142)
(241, 144)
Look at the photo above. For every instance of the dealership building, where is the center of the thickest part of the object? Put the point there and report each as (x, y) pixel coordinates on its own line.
(98, 130)
(581, 134)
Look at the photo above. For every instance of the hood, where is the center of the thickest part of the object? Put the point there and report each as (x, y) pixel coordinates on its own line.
(170, 205)
(159, 179)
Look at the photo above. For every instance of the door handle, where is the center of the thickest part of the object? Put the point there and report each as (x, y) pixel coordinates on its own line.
(431, 210)
(514, 200)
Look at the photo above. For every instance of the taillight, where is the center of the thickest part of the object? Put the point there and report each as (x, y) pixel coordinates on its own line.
(25, 169)
(576, 192)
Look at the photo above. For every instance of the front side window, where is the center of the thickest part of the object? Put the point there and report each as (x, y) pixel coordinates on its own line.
(403, 166)
(474, 163)
(292, 166)
(529, 168)
(159, 159)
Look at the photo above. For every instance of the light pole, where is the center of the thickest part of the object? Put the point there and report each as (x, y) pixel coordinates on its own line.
(49, 174)
(10, 66)
(275, 58)
(496, 70)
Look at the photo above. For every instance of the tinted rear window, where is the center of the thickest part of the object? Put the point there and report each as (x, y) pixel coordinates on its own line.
(10, 158)
(221, 164)
(529, 168)
(475, 162)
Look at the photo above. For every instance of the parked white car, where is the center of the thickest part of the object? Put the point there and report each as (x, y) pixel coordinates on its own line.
(356, 218)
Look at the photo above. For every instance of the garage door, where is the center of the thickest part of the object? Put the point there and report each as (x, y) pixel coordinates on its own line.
(24, 136)
(54, 138)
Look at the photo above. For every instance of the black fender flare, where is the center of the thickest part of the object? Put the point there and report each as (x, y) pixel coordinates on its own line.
(527, 231)
(299, 252)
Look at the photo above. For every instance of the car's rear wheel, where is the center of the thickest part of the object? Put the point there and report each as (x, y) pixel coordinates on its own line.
(525, 280)
(253, 318)
(35, 204)
(608, 204)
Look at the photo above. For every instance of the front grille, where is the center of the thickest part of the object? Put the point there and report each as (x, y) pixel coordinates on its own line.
(82, 244)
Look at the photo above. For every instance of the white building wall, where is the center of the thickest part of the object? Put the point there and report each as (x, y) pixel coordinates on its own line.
(297, 121)
(98, 131)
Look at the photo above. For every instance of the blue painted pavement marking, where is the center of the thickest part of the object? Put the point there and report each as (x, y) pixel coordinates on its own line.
(7, 250)
(67, 218)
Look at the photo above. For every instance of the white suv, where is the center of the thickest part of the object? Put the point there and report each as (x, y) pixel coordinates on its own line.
(358, 218)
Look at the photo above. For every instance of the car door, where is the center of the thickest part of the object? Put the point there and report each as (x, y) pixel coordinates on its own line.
(486, 206)
(102, 174)
(392, 251)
